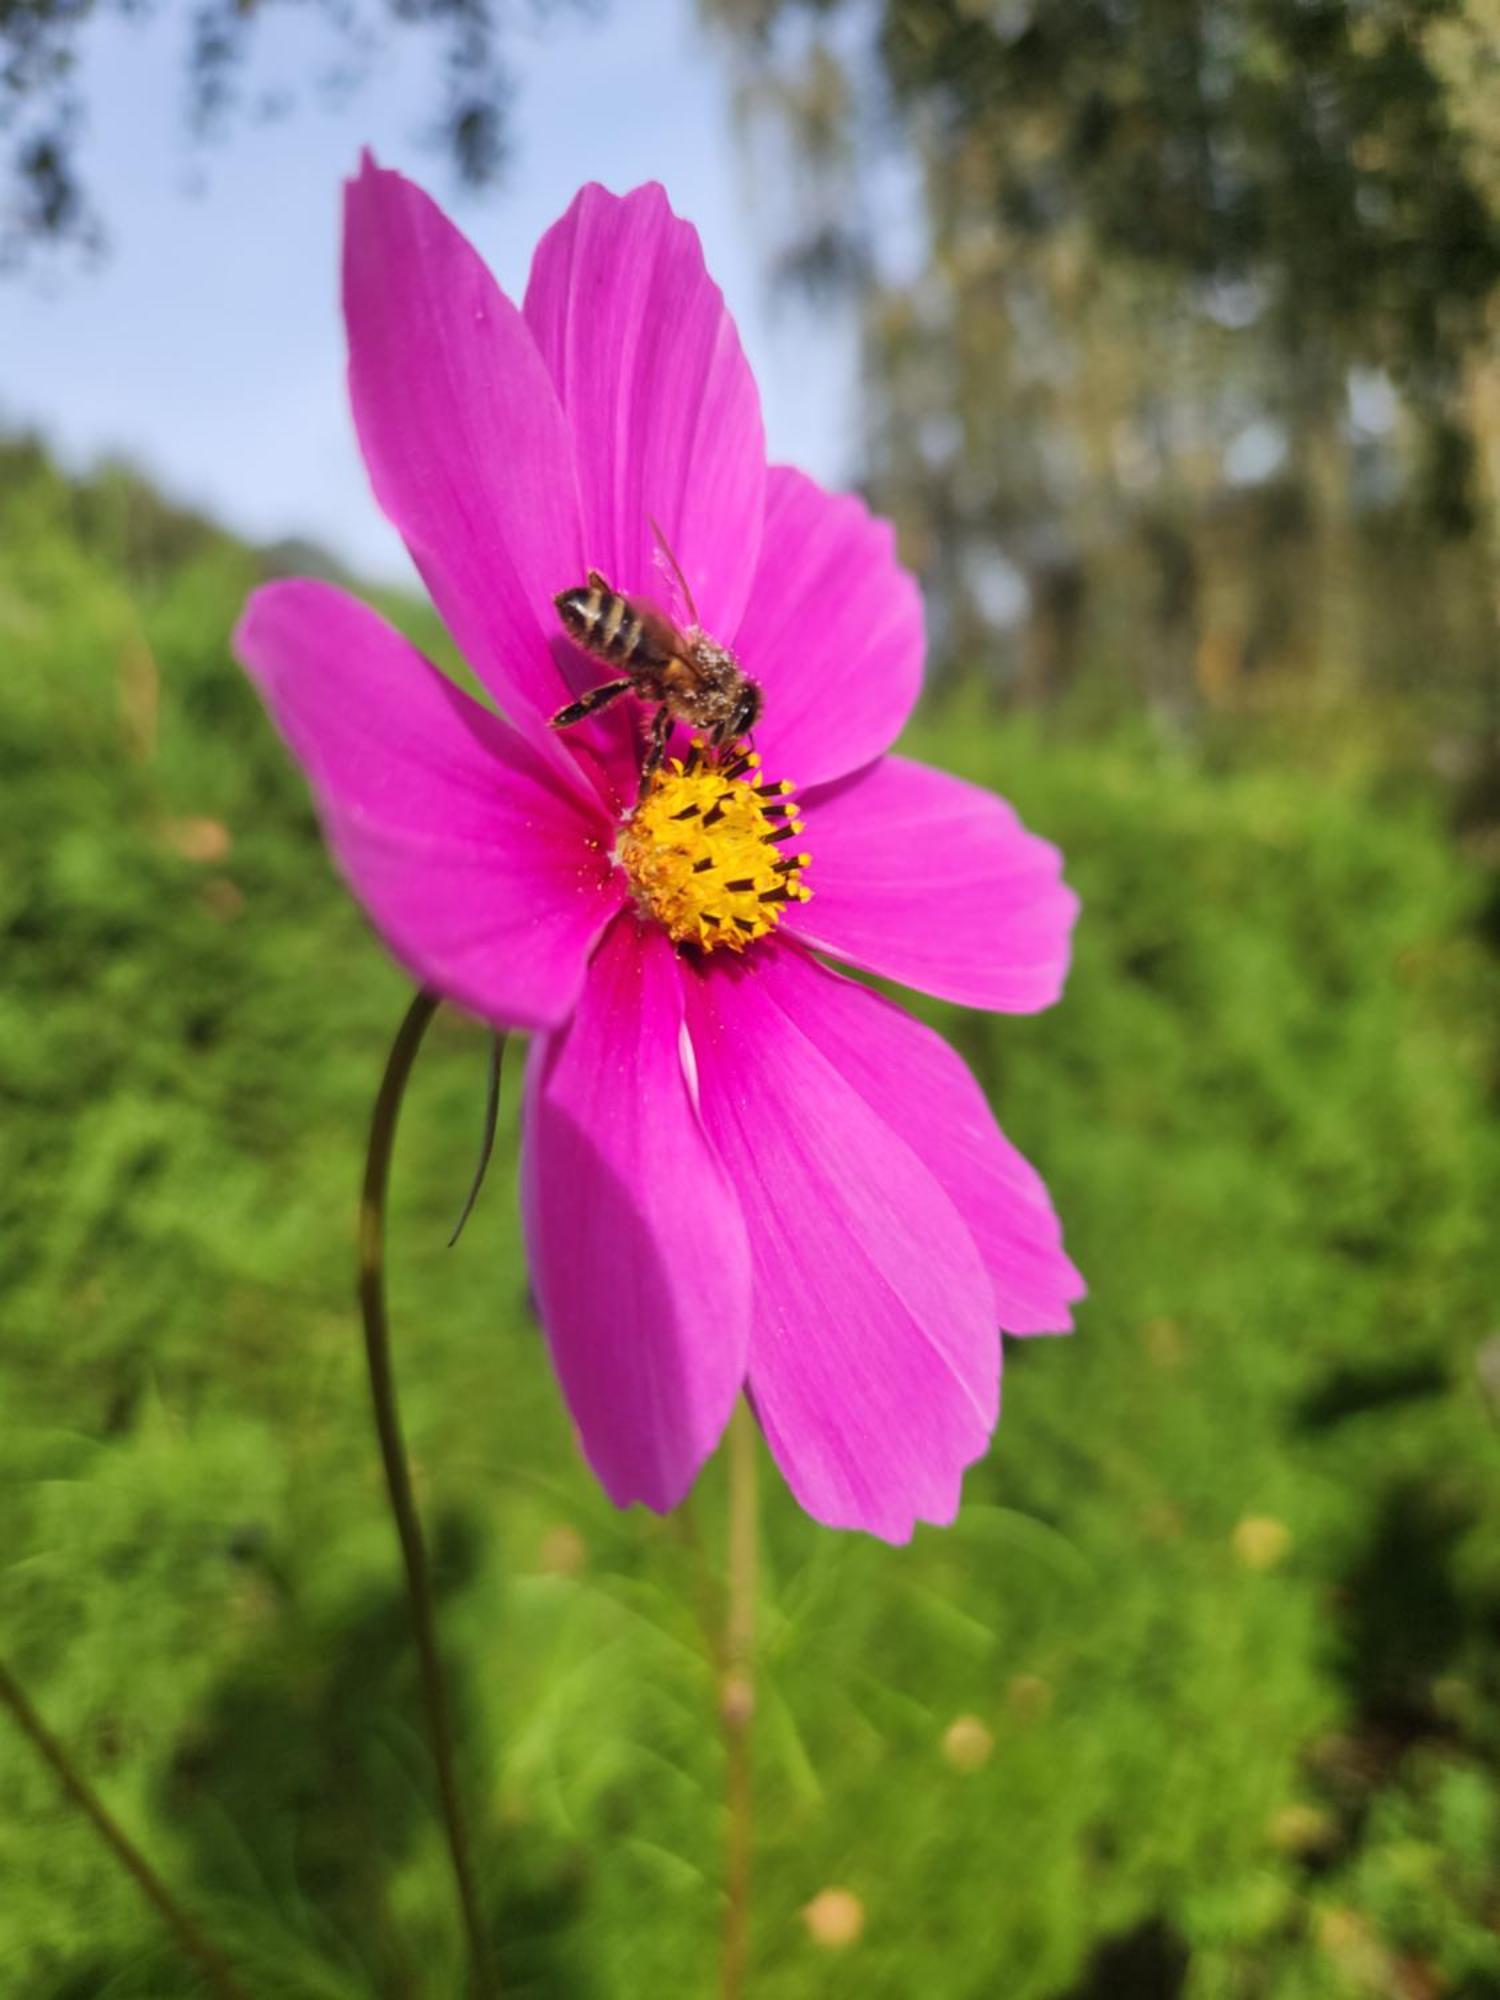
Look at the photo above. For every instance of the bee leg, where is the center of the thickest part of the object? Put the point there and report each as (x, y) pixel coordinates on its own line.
(656, 749)
(591, 703)
(724, 736)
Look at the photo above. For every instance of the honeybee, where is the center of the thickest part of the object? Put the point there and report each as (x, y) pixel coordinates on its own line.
(690, 677)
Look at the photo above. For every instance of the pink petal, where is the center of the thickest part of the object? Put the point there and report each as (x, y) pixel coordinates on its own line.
(833, 632)
(664, 409)
(637, 1245)
(485, 875)
(874, 1360)
(927, 880)
(921, 1089)
(466, 444)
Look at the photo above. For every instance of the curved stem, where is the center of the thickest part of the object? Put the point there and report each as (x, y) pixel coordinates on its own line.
(210, 1960)
(737, 1697)
(372, 1210)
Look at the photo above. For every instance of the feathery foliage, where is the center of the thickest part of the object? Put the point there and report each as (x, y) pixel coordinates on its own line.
(1220, 1608)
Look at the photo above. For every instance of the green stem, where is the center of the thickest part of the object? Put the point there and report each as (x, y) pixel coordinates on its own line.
(213, 1964)
(372, 1212)
(737, 1697)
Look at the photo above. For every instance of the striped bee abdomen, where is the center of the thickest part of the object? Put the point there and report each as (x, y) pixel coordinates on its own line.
(602, 622)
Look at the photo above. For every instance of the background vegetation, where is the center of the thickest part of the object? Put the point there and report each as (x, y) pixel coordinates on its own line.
(1199, 1697)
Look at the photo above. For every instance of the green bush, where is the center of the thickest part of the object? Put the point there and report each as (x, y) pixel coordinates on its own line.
(1221, 1606)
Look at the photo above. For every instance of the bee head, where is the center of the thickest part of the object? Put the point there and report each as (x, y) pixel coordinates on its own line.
(747, 709)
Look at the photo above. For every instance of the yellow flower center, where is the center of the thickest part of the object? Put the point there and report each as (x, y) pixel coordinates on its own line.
(707, 850)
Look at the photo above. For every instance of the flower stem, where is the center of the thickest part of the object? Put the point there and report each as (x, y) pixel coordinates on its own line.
(211, 1961)
(737, 1697)
(372, 1210)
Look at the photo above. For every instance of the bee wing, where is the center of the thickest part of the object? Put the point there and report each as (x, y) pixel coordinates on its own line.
(667, 561)
(661, 635)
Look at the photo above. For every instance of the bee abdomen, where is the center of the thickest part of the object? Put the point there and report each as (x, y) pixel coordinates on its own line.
(602, 622)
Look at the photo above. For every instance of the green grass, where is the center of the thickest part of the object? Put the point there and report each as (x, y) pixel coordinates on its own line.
(1266, 1108)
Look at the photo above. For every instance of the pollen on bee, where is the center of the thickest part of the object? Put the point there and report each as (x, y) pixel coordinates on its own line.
(704, 850)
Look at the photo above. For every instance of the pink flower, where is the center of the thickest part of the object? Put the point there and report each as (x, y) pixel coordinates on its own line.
(742, 1169)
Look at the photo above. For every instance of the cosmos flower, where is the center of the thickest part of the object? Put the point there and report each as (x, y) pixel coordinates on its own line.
(743, 1170)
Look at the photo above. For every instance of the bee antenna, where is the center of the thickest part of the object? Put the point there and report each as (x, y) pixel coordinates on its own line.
(675, 566)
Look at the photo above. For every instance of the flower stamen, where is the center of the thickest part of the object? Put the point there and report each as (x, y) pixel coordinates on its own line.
(702, 848)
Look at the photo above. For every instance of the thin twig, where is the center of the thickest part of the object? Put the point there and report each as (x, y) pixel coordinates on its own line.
(737, 1697)
(211, 1961)
(372, 1208)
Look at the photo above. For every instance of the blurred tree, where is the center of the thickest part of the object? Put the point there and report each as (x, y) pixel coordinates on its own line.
(1465, 48)
(44, 197)
(1191, 323)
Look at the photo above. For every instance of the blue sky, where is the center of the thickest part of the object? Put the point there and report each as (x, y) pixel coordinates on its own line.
(207, 346)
